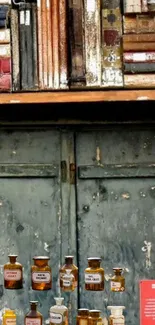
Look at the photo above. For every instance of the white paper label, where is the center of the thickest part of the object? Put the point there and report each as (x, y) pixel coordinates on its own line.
(66, 283)
(12, 275)
(33, 321)
(41, 277)
(22, 20)
(115, 285)
(27, 20)
(118, 321)
(55, 318)
(93, 278)
(10, 321)
(139, 57)
(91, 5)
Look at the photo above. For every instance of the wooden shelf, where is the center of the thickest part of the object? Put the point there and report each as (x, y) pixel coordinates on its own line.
(77, 96)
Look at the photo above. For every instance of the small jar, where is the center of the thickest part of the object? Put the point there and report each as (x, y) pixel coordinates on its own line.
(69, 265)
(94, 275)
(33, 317)
(116, 316)
(82, 317)
(13, 274)
(68, 281)
(41, 274)
(59, 313)
(9, 317)
(117, 281)
(95, 317)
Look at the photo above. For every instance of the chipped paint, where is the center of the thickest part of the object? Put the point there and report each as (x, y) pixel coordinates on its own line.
(46, 247)
(98, 155)
(147, 250)
(126, 195)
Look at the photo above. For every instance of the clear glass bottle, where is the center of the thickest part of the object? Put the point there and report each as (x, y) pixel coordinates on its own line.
(41, 274)
(9, 317)
(82, 317)
(94, 275)
(95, 317)
(116, 317)
(59, 313)
(13, 274)
(69, 265)
(68, 281)
(33, 317)
(117, 281)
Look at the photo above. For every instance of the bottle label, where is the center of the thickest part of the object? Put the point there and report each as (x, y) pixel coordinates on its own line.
(118, 322)
(55, 318)
(10, 321)
(115, 285)
(93, 278)
(41, 277)
(33, 321)
(66, 283)
(12, 275)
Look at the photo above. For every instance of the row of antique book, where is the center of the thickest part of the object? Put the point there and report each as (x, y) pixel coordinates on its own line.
(63, 44)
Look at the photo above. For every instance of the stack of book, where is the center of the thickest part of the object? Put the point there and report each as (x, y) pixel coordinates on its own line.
(139, 44)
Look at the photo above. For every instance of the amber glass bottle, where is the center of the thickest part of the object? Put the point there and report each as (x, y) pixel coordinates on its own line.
(117, 281)
(94, 275)
(33, 317)
(68, 281)
(82, 317)
(41, 274)
(13, 274)
(69, 265)
(9, 317)
(95, 317)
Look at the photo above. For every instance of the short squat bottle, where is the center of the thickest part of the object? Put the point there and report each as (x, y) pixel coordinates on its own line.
(9, 317)
(95, 317)
(116, 317)
(68, 281)
(41, 274)
(59, 313)
(69, 265)
(33, 317)
(117, 281)
(94, 275)
(13, 274)
(82, 317)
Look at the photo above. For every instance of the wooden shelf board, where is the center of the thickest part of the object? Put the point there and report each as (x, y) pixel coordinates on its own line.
(77, 96)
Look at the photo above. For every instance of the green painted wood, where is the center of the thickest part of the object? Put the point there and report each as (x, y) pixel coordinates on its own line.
(28, 170)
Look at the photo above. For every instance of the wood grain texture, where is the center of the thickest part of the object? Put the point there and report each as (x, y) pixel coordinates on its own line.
(139, 81)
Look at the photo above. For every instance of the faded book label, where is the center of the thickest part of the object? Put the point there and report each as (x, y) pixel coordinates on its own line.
(22, 18)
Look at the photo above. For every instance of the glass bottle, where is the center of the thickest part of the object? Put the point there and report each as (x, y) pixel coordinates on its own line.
(94, 275)
(9, 317)
(68, 281)
(117, 281)
(95, 317)
(13, 274)
(82, 317)
(41, 274)
(69, 265)
(116, 317)
(33, 317)
(59, 313)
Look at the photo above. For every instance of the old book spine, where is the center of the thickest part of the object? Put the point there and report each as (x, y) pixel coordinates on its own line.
(63, 44)
(133, 46)
(139, 81)
(44, 42)
(40, 45)
(5, 2)
(5, 65)
(55, 38)
(49, 44)
(138, 57)
(29, 44)
(139, 24)
(93, 42)
(76, 43)
(4, 36)
(139, 67)
(132, 6)
(139, 38)
(5, 83)
(23, 49)
(5, 50)
(34, 44)
(144, 6)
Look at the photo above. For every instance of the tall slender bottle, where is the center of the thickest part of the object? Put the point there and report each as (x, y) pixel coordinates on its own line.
(13, 274)
(33, 317)
(59, 313)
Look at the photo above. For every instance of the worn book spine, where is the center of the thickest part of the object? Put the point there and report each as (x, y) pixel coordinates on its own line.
(5, 82)
(40, 45)
(49, 45)
(76, 43)
(137, 81)
(144, 6)
(55, 38)
(29, 44)
(4, 36)
(132, 6)
(15, 50)
(112, 75)
(151, 5)
(23, 49)
(139, 38)
(93, 42)
(5, 50)
(133, 46)
(63, 44)
(5, 2)
(5, 65)
(34, 46)
(44, 42)
(139, 24)
(139, 67)
(139, 57)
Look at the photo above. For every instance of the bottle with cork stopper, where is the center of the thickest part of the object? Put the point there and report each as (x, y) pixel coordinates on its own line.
(13, 274)
(116, 316)
(69, 264)
(94, 275)
(33, 317)
(59, 313)
(117, 281)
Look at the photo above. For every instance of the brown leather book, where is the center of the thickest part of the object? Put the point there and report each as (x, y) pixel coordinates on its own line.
(139, 24)
(40, 45)
(133, 46)
(55, 39)
(15, 50)
(139, 81)
(139, 57)
(63, 44)
(49, 45)
(139, 38)
(44, 42)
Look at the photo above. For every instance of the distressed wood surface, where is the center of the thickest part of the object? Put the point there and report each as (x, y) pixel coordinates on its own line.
(28, 170)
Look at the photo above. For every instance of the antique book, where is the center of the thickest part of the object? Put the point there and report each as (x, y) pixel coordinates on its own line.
(132, 6)
(49, 45)
(5, 65)
(5, 50)
(139, 38)
(23, 50)
(112, 75)
(29, 45)
(139, 80)
(63, 44)
(34, 46)
(4, 15)
(55, 39)
(139, 24)
(5, 83)
(44, 42)
(93, 42)
(139, 67)
(139, 56)
(4, 36)
(5, 2)
(40, 45)
(76, 43)
(140, 46)
(15, 50)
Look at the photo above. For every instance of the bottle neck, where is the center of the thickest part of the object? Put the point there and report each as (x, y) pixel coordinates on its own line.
(95, 314)
(41, 263)
(117, 273)
(12, 259)
(69, 260)
(94, 264)
(33, 307)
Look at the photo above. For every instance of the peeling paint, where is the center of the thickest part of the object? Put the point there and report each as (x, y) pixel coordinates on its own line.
(126, 195)
(147, 250)
(108, 277)
(98, 154)
(46, 247)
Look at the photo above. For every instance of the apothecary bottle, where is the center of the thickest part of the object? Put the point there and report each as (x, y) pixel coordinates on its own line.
(9, 317)
(59, 313)
(95, 317)
(82, 317)
(34, 317)
(41, 273)
(117, 281)
(13, 274)
(94, 275)
(69, 265)
(68, 280)
(116, 317)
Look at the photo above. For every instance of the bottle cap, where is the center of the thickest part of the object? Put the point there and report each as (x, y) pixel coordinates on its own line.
(116, 310)
(119, 269)
(41, 258)
(83, 311)
(94, 259)
(94, 311)
(59, 301)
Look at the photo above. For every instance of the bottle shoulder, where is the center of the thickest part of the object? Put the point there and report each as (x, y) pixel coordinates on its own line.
(94, 270)
(16, 265)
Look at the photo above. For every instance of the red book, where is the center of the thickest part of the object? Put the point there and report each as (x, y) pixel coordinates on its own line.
(5, 82)
(5, 65)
